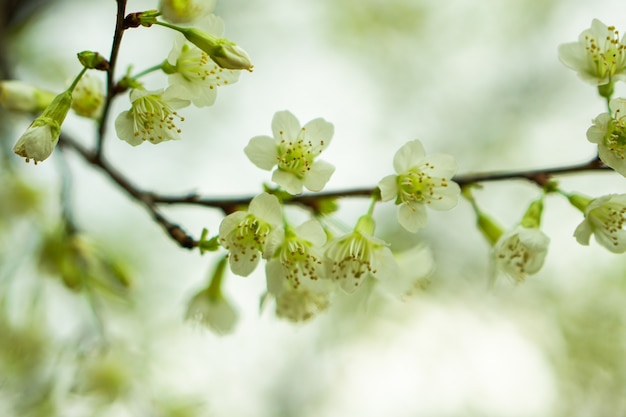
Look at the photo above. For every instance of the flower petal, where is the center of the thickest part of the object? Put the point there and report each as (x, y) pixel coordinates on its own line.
(319, 132)
(408, 156)
(412, 216)
(388, 187)
(267, 208)
(287, 180)
(318, 176)
(124, 129)
(447, 197)
(285, 125)
(262, 152)
(439, 165)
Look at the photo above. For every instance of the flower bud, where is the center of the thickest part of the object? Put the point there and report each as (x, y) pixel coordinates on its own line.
(224, 52)
(88, 97)
(19, 96)
(93, 60)
(39, 140)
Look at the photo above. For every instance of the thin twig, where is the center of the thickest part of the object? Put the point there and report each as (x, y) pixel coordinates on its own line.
(111, 90)
(151, 200)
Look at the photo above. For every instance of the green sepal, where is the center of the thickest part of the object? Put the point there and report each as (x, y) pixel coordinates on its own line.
(93, 60)
(208, 245)
(532, 217)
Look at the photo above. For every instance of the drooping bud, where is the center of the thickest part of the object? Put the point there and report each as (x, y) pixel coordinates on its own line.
(224, 52)
(39, 140)
(19, 96)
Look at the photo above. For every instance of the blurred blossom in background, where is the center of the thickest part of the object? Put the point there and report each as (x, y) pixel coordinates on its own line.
(479, 81)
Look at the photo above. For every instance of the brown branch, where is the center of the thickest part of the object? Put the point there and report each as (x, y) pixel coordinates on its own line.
(173, 230)
(111, 90)
(228, 205)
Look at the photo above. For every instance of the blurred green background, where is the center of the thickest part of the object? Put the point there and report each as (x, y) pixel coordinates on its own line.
(478, 80)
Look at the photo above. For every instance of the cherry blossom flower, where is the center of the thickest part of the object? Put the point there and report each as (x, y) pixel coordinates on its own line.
(609, 133)
(244, 233)
(293, 151)
(599, 56)
(420, 181)
(351, 258)
(521, 251)
(605, 218)
(152, 117)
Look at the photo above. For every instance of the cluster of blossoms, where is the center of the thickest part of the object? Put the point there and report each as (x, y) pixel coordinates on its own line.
(197, 65)
(599, 58)
(306, 264)
(201, 61)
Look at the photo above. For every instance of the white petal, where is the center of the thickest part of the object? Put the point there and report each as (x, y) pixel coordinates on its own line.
(318, 176)
(275, 276)
(408, 156)
(230, 222)
(287, 180)
(612, 160)
(319, 132)
(244, 266)
(412, 217)
(385, 265)
(596, 133)
(285, 125)
(267, 208)
(273, 242)
(449, 197)
(262, 152)
(583, 233)
(125, 130)
(388, 187)
(443, 165)
(313, 232)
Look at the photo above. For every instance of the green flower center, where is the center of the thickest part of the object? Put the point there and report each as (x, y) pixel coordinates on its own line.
(298, 261)
(152, 118)
(248, 238)
(515, 255)
(615, 138)
(296, 156)
(608, 57)
(611, 218)
(418, 187)
(352, 256)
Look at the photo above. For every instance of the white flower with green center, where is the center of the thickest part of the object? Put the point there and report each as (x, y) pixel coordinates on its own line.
(420, 181)
(301, 304)
(293, 151)
(185, 11)
(609, 133)
(599, 56)
(196, 74)
(521, 252)
(152, 117)
(244, 233)
(296, 257)
(605, 218)
(351, 258)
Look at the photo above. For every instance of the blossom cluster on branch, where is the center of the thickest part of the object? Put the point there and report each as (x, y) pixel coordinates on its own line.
(309, 263)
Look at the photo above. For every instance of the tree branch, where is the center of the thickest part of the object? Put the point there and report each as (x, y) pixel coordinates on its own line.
(111, 90)
(151, 200)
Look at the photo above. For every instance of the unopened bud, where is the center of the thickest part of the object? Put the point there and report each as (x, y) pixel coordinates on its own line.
(19, 96)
